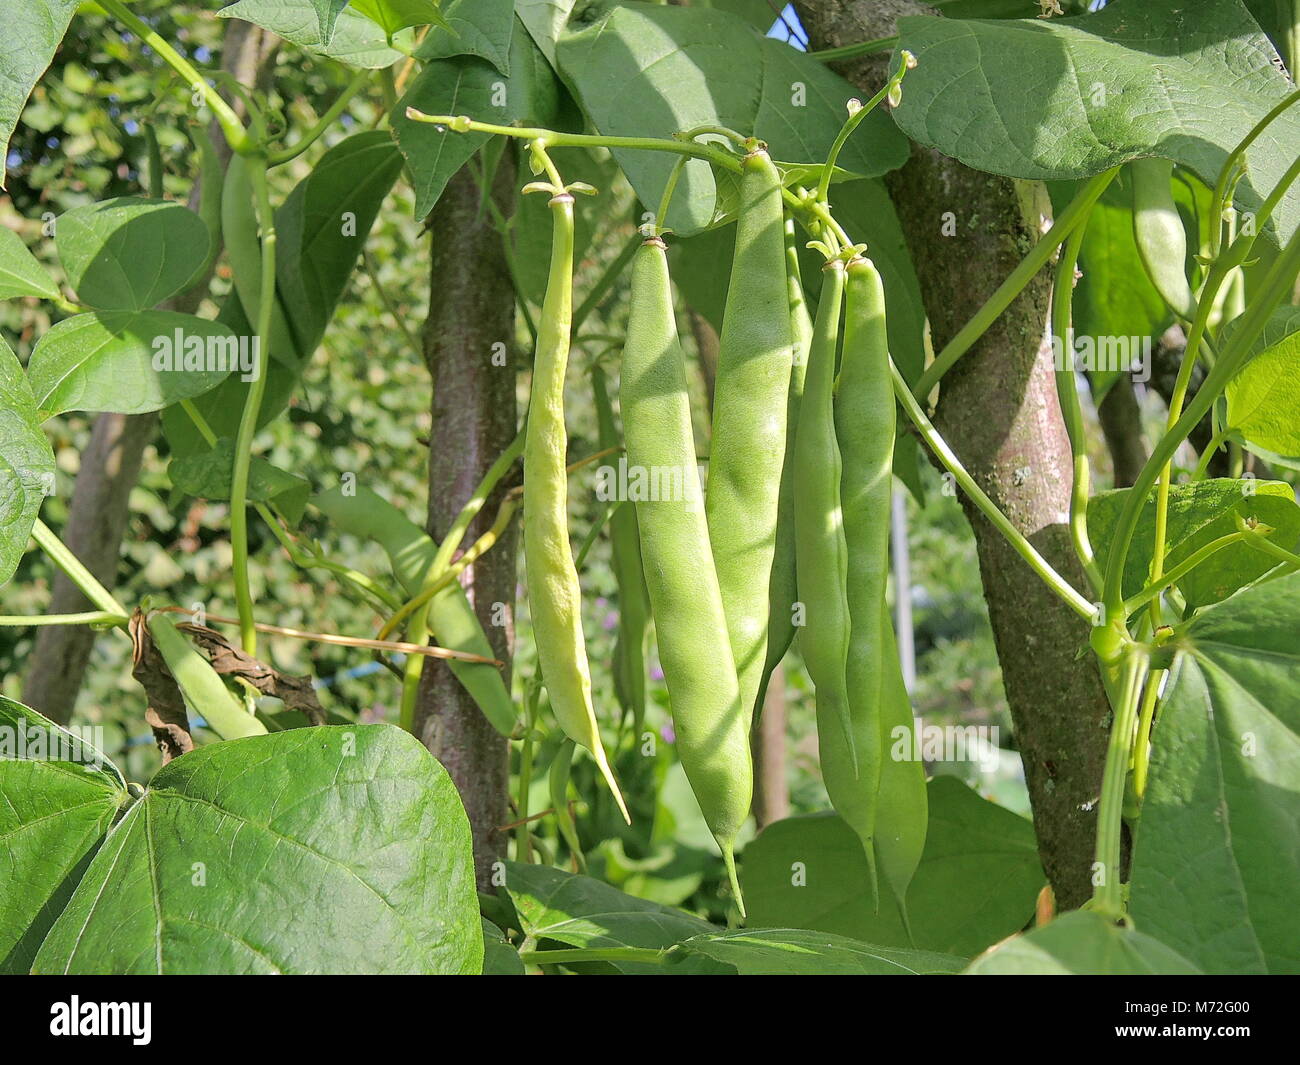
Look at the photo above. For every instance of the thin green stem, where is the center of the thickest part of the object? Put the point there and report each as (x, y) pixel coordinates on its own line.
(524, 838)
(89, 617)
(849, 51)
(252, 409)
(1001, 299)
(1228, 174)
(1207, 455)
(1156, 585)
(855, 119)
(1108, 898)
(1058, 584)
(665, 201)
(1277, 551)
(1067, 392)
(1142, 742)
(359, 80)
(73, 569)
(235, 133)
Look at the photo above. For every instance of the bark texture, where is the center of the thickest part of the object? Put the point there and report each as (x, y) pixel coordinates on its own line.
(110, 465)
(471, 313)
(998, 409)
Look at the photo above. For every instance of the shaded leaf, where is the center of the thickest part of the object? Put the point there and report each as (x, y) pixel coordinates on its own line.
(20, 273)
(208, 476)
(326, 850)
(1217, 853)
(356, 40)
(797, 952)
(473, 27)
(26, 462)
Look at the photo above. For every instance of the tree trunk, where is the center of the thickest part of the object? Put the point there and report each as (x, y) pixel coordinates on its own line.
(998, 410)
(471, 322)
(110, 465)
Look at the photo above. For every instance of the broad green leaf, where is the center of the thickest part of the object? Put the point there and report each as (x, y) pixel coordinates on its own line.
(467, 85)
(356, 40)
(20, 273)
(1199, 513)
(60, 797)
(798, 952)
(646, 70)
(474, 27)
(323, 225)
(26, 462)
(130, 362)
(32, 32)
(586, 913)
(1082, 944)
(452, 620)
(340, 849)
(1217, 854)
(499, 957)
(1262, 404)
(207, 476)
(130, 254)
(809, 872)
(1136, 79)
(394, 15)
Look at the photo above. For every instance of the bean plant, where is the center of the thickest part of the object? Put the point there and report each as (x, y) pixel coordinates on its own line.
(748, 535)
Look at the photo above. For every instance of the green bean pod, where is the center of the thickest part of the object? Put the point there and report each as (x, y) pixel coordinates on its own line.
(201, 684)
(557, 782)
(783, 589)
(749, 421)
(902, 803)
(864, 427)
(633, 608)
(710, 721)
(211, 183)
(554, 595)
(1159, 234)
(821, 553)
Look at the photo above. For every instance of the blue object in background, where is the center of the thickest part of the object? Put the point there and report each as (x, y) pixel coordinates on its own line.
(788, 28)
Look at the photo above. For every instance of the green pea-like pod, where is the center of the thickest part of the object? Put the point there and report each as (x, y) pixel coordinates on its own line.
(902, 803)
(783, 590)
(710, 721)
(864, 427)
(1159, 234)
(821, 551)
(201, 684)
(749, 420)
(633, 608)
(554, 595)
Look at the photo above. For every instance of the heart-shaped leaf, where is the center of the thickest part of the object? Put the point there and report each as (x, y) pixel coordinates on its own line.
(26, 462)
(1217, 854)
(60, 797)
(32, 32)
(1159, 77)
(20, 273)
(1082, 944)
(394, 15)
(130, 254)
(340, 849)
(132, 362)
